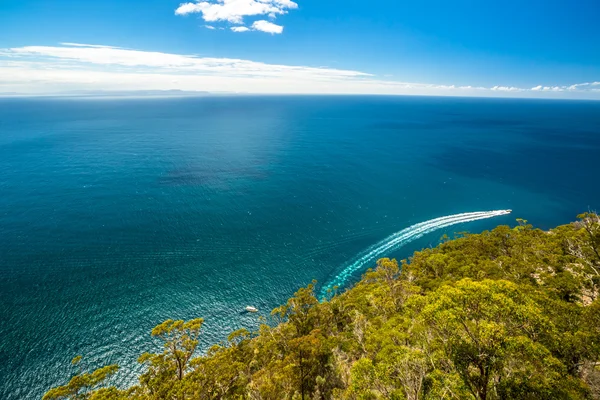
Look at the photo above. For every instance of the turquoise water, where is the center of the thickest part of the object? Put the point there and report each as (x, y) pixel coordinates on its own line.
(118, 214)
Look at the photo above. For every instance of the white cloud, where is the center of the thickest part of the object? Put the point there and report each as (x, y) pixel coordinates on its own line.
(506, 89)
(188, 8)
(83, 56)
(571, 88)
(212, 28)
(263, 26)
(234, 11)
(96, 46)
(582, 85)
(51, 69)
(541, 88)
(266, 26)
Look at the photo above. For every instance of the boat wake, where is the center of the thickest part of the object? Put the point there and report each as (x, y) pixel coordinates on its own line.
(403, 237)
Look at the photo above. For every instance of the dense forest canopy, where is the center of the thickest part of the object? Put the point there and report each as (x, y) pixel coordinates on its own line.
(511, 313)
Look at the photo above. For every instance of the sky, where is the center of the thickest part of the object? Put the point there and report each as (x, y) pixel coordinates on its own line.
(509, 48)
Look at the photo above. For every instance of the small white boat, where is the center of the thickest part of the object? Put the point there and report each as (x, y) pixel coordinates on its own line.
(251, 309)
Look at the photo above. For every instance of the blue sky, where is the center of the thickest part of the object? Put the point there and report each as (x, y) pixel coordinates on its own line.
(511, 48)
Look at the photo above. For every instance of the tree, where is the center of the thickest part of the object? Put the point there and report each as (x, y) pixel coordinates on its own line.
(81, 385)
(490, 331)
(584, 244)
(167, 370)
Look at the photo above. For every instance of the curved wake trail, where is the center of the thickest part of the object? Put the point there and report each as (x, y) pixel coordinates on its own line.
(403, 237)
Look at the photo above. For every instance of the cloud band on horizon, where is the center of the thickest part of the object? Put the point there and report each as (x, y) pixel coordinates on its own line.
(73, 66)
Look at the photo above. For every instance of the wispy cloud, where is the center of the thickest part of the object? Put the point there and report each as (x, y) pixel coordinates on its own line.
(506, 89)
(541, 88)
(82, 55)
(72, 66)
(234, 11)
(566, 88)
(95, 46)
(240, 28)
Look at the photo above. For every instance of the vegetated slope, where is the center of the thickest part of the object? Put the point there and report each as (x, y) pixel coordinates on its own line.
(511, 313)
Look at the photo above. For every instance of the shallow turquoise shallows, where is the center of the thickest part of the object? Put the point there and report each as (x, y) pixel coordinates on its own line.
(118, 214)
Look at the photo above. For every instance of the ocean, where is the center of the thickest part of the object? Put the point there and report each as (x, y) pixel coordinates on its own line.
(116, 214)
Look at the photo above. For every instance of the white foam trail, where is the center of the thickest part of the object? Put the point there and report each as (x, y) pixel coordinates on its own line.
(403, 237)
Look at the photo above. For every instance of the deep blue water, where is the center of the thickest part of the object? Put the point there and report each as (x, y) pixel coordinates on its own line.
(118, 214)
